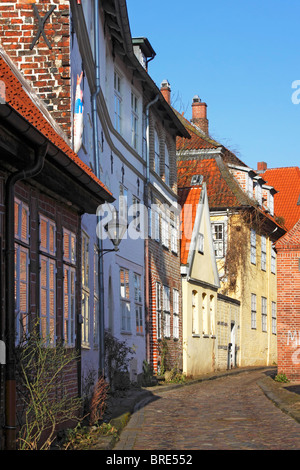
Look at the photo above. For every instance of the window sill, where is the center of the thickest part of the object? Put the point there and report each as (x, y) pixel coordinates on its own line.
(196, 335)
(123, 332)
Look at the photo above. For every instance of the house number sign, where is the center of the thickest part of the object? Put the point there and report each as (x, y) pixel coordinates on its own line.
(41, 24)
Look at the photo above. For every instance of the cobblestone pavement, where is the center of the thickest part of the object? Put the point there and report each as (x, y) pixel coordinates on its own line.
(228, 413)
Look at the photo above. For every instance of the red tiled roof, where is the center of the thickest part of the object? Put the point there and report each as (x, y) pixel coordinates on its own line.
(189, 200)
(287, 201)
(222, 188)
(18, 99)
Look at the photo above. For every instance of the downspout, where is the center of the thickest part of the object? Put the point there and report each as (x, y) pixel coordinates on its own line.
(97, 172)
(10, 370)
(146, 202)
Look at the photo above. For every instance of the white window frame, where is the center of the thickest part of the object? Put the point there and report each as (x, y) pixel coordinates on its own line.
(263, 239)
(167, 165)
(253, 311)
(96, 297)
(67, 234)
(253, 246)
(158, 310)
(165, 232)
(274, 318)
(218, 239)
(134, 120)
(175, 314)
(250, 186)
(195, 313)
(117, 101)
(258, 193)
(20, 208)
(123, 203)
(167, 311)
(156, 225)
(125, 300)
(174, 237)
(156, 153)
(201, 243)
(273, 260)
(137, 279)
(86, 316)
(50, 225)
(69, 299)
(271, 202)
(46, 316)
(264, 314)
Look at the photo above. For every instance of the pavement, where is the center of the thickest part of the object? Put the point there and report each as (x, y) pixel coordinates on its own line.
(285, 396)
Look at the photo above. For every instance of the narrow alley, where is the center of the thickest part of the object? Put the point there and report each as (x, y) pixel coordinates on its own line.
(229, 413)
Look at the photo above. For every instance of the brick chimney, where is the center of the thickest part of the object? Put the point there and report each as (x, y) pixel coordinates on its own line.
(42, 55)
(166, 90)
(199, 114)
(261, 167)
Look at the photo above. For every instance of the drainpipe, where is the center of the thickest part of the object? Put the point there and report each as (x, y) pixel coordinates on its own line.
(97, 171)
(146, 202)
(10, 370)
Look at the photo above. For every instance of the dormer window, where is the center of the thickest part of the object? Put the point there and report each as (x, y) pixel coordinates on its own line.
(258, 193)
(197, 179)
(250, 186)
(271, 203)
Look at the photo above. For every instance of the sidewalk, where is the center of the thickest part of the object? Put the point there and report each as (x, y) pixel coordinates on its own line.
(285, 396)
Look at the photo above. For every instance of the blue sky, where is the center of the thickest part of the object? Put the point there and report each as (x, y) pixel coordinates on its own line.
(241, 57)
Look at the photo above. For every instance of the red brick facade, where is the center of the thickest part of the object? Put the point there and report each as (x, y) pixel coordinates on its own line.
(48, 70)
(288, 302)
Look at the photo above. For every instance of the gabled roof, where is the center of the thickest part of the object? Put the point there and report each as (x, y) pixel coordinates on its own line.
(189, 198)
(23, 110)
(287, 200)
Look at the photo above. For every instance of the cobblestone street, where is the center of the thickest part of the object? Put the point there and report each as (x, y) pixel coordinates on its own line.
(229, 413)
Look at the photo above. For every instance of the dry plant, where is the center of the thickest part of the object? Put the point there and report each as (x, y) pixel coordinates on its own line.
(98, 401)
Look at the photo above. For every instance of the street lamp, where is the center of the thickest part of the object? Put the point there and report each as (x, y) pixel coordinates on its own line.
(115, 229)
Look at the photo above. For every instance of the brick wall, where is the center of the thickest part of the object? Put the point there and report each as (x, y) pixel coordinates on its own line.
(288, 303)
(48, 70)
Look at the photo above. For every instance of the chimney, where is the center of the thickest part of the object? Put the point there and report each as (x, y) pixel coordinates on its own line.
(199, 114)
(36, 36)
(261, 167)
(166, 91)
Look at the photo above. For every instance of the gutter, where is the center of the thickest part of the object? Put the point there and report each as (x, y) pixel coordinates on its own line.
(147, 267)
(10, 370)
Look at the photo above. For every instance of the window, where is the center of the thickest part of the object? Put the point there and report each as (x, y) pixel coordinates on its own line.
(156, 154)
(253, 246)
(264, 314)
(273, 261)
(134, 121)
(156, 226)
(21, 269)
(200, 243)
(174, 238)
(167, 166)
(166, 309)
(125, 301)
(263, 253)
(47, 279)
(195, 319)
(165, 232)
(136, 213)
(274, 319)
(96, 296)
(258, 193)
(123, 207)
(250, 186)
(253, 311)
(144, 145)
(212, 314)
(117, 101)
(271, 202)
(218, 239)
(175, 314)
(138, 303)
(158, 310)
(85, 291)
(69, 269)
(204, 314)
